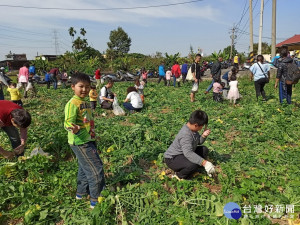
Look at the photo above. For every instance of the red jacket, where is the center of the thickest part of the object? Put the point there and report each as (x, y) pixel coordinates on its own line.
(176, 70)
(97, 74)
(6, 107)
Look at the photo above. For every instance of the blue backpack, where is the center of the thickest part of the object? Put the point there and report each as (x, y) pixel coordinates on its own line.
(47, 77)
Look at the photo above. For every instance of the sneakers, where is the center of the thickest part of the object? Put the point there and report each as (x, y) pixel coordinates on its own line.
(175, 176)
(78, 197)
(206, 92)
(93, 204)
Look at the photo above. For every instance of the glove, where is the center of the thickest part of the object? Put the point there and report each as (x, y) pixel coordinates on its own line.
(210, 168)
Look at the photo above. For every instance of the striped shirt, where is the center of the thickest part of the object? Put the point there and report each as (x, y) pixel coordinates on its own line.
(78, 112)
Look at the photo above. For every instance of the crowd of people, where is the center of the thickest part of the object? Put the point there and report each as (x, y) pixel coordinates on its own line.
(186, 153)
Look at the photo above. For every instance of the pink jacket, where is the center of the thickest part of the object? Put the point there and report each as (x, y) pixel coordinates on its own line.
(23, 74)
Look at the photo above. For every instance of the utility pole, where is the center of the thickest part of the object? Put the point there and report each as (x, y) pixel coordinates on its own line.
(251, 25)
(233, 37)
(273, 48)
(260, 27)
(56, 45)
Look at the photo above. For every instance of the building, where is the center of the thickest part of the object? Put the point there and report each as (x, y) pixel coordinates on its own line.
(14, 61)
(292, 43)
(48, 57)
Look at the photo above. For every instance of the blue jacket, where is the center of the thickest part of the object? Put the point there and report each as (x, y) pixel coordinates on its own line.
(161, 70)
(184, 68)
(32, 69)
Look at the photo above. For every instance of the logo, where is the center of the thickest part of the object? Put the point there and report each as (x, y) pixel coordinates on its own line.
(232, 211)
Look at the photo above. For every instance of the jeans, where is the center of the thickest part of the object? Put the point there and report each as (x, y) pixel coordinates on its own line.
(13, 135)
(210, 86)
(129, 106)
(285, 92)
(259, 88)
(183, 166)
(174, 82)
(90, 177)
(53, 78)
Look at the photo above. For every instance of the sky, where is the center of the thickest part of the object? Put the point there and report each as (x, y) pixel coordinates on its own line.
(204, 24)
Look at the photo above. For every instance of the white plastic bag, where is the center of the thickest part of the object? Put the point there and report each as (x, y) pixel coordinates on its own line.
(117, 110)
(189, 75)
(29, 86)
(195, 87)
(38, 151)
(19, 85)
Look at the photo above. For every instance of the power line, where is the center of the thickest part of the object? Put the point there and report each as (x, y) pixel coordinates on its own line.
(18, 30)
(243, 14)
(100, 9)
(255, 35)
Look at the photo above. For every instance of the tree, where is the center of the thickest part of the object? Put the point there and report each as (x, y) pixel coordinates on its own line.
(171, 59)
(72, 33)
(227, 50)
(119, 43)
(82, 31)
(265, 48)
(79, 43)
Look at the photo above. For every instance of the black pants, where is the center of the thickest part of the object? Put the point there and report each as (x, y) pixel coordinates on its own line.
(217, 97)
(259, 88)
(183, 77)
(18, 102)
(14, 137)
(93, 105)
(162, 77)
(106, 105)
(48, 84)
(183, 166)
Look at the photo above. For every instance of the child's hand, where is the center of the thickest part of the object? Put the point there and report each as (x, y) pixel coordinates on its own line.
(75, 128)
(205, 133)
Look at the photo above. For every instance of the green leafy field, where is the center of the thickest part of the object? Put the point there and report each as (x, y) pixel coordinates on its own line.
(255, 146)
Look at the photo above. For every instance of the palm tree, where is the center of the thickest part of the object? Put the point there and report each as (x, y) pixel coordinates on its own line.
(72, 33)
(82, 31)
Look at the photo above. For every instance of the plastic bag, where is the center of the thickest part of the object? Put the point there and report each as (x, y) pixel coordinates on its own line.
(29, 86)
(117, 110)
(190, 74)
(19, 85)
(195, 87)
(38, 151)
(3, 80)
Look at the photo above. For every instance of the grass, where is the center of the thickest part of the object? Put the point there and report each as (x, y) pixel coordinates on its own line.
(255, 146)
